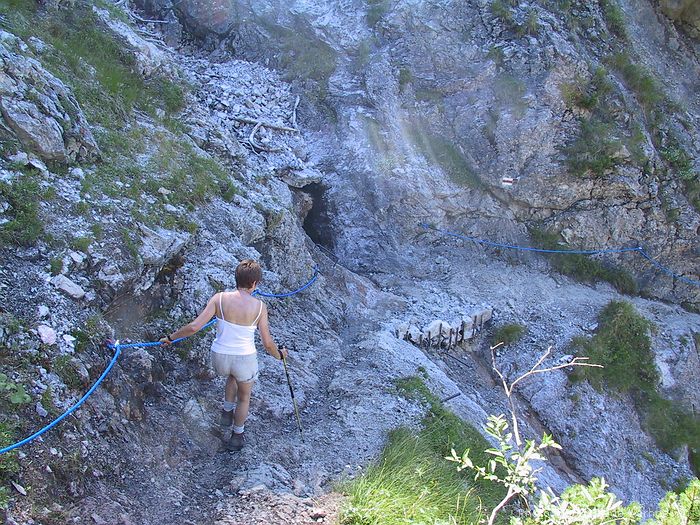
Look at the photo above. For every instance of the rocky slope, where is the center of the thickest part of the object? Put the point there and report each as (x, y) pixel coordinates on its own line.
(375, 117)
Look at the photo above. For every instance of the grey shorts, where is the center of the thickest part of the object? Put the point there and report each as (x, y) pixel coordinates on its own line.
(243, 367)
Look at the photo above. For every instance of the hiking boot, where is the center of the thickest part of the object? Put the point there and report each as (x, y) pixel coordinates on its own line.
(226, 418)
(236, 442)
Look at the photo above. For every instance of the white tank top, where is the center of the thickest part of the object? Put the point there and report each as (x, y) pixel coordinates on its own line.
(232, 338)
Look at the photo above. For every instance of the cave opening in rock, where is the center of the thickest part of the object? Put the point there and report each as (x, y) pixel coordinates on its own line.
(317, 222)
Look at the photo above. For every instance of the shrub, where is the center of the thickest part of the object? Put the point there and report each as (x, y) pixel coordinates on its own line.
(508, 334)
(671, 425)
(585, 504)
(531, 26)
(81, 244)
(502, 9)
(376, 9)
(623, 346)
(56, 264)
(587, 94)
(65, 368)
(405, 77)
(683, 508)
(12, 392)
(593, 150)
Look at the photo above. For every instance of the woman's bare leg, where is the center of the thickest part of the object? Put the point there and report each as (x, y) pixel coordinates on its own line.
(241, 414)
(231, 389)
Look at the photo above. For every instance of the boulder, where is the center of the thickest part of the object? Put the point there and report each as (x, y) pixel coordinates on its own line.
(206, 18)
(39, 110)
(159, 245)
(35, 130)
(68, 287)
(47, 334)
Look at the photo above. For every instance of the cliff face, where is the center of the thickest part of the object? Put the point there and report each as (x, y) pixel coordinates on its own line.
(323, 134)
(586, 106)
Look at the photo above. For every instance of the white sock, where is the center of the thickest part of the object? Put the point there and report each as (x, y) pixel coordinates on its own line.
(229, 405)
(238, 430)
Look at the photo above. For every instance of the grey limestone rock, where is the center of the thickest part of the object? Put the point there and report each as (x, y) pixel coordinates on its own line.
(39, 110)
(67, 286)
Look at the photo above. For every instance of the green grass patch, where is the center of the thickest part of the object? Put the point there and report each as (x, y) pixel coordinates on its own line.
(503, 9)
(639, 80)
(508, 334)
(25, 226)
(623, 346)
(95, 63)
(594, 150)
(681, 165)
(439, 150)
(587, 93)
(614, 18)
(671, 424)
(582, 267)
(65, 368)
(412, 482)
(56, 265)
(405, 78)
(531, 25)
(81, 244)
(9, 465)
(302, 57)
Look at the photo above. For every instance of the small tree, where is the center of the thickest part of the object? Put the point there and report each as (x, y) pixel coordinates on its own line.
(680, 509)
(511, 463)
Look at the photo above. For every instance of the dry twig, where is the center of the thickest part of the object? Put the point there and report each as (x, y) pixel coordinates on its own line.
(508, 388)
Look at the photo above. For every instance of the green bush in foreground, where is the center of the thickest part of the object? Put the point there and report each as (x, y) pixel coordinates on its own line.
(412, 483)
(680, 509)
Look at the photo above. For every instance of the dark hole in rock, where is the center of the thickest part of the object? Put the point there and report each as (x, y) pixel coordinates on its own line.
(317, 223)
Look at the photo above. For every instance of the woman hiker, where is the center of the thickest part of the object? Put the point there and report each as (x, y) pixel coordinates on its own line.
(233, 353)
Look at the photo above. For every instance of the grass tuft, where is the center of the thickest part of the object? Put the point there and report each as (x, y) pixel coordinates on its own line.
(623, 346)
(508, 334)
(614, 18)
(412, 482)
(24, 227)
(583, 267)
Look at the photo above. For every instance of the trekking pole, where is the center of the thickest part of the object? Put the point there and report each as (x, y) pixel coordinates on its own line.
(294, 401)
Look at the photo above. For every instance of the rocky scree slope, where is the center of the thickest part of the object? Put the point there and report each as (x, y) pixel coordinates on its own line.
(145, 443)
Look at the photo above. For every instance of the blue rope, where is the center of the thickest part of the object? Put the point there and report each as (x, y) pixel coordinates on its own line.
(673, 274)
(289, 294)
(71, 409)
(118, 347)
(527, 248)
(578, 252)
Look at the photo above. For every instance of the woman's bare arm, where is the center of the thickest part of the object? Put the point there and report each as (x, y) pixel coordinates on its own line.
(194, 326)
(267, 341)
